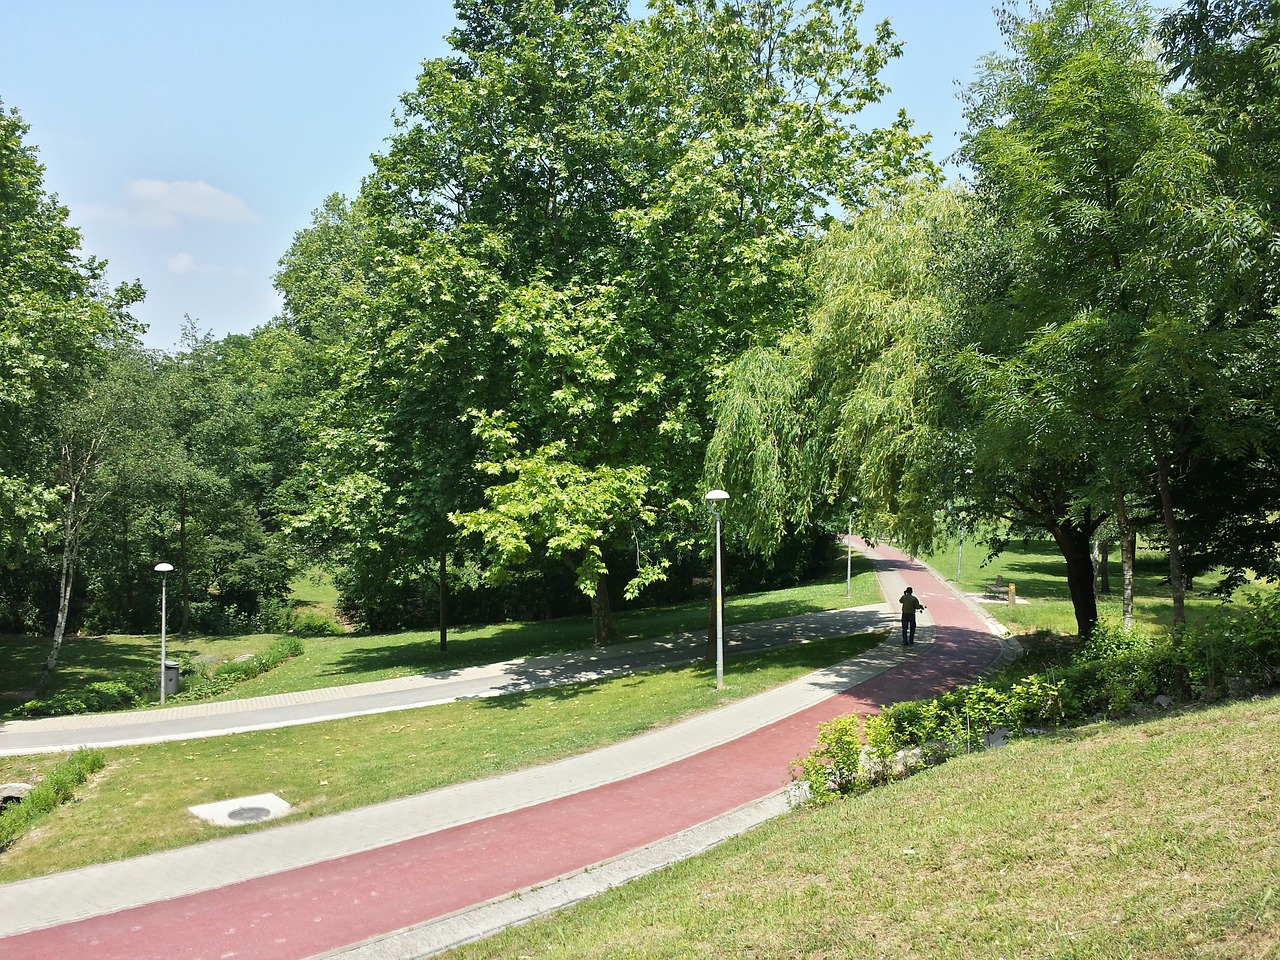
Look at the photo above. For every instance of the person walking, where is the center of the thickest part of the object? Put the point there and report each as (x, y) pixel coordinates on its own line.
(910, 604)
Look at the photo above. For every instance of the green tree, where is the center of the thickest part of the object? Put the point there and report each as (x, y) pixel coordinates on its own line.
(852, 403)
(579, 221)
(94, 445)
(58, 327)
(1044, 351)
(1118, 243)
(232, 414)
(1224, 52)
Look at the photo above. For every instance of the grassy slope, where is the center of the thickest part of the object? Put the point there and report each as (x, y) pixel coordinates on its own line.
(1148, 840)
(1151, 840)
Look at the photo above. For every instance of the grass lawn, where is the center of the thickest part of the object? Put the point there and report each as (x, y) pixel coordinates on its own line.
(1039, 573)
(1151, 840)
(138, 804)
(355, 658)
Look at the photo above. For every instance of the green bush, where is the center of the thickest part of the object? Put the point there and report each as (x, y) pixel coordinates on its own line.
(56, 788)
(310, 623)
(230, 674)
(854, 754)
(98, 697)
(1236, 651)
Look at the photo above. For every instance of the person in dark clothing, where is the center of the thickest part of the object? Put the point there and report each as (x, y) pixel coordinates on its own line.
(910, 604)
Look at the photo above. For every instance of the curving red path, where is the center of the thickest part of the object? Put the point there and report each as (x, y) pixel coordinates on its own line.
(306, 911)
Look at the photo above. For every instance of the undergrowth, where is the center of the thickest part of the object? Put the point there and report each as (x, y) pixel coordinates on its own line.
(56, 788)
(1234, 653)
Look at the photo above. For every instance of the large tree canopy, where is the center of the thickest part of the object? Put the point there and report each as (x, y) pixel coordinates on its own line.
(1046, 348)
(1121, 241)
(579, 221)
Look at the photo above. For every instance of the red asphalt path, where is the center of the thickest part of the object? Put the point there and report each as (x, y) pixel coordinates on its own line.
(310, 910)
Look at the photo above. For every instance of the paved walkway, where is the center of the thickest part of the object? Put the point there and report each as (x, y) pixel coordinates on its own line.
(193, 721)
(412, 877)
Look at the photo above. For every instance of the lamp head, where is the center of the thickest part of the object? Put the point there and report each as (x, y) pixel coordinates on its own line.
(716, 497)
(164, 568)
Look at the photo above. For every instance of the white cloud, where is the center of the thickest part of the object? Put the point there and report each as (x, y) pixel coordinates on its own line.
(164, 204)
(168, 202)
(185, 263)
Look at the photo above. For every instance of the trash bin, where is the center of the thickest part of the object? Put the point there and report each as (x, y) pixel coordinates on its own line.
(170, 677)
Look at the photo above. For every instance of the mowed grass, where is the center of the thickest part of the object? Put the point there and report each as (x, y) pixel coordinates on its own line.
(357, 658)
(1039, 573)
(362, 657)
(1151, 840)
(138, 804)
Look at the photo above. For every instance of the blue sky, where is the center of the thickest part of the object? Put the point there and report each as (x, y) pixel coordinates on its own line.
(192, 140)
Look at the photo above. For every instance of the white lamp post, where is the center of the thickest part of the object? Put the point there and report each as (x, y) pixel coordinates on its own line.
(848, 551)
(714, 498)
(960, 549)
(164, 569)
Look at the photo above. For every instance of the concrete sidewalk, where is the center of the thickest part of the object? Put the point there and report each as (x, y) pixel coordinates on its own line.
(193, 721)
(411, 877)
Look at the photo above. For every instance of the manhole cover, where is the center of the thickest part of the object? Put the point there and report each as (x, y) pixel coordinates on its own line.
(242, 810)
(248, 814)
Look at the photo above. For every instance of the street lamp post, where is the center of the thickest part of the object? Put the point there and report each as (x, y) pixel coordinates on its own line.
(714, 498)
(164, 569)
(960, 549)
(848, 551)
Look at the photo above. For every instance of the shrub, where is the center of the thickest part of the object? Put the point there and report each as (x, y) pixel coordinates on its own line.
(98, 697)
(311, 623)
(831, 768)
(237, 671)
(1236, 651)
(56, 788)
(1117, 669)
(218, 619)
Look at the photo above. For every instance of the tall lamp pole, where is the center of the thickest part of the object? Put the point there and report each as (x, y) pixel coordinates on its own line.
(164, 569)
(848, 551)
(960, 549)
(714, 498)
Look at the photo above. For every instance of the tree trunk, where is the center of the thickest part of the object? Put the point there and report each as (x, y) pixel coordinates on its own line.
(602, 612)
(1073, 542)
(1102, 564)
(1177, 581)
(69, 545)
(182, 559)
(1128, 548)
(444, 599)
(126, 567)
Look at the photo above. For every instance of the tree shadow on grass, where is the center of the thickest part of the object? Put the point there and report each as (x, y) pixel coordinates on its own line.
(1037, 579)
(560, 693)
(89, 659)
(424, 657)
(786, 652)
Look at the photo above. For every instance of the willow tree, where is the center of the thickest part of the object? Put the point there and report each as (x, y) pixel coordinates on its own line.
(851, 403)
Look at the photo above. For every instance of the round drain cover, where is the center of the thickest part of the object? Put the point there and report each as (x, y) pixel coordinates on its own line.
(248, 814)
